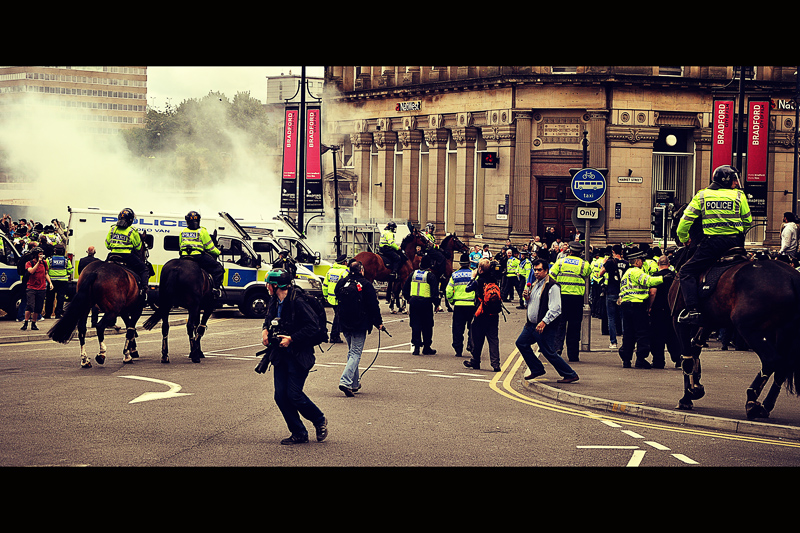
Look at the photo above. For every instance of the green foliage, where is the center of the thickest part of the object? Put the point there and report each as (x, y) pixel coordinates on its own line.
(197, 139)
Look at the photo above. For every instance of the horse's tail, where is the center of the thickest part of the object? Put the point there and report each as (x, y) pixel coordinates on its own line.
(164, 304)
(78, 309)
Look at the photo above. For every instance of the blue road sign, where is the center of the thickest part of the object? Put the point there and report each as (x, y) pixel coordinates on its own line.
(588, 185)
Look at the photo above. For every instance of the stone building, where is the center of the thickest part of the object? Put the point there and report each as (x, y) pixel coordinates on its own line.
(414, 138)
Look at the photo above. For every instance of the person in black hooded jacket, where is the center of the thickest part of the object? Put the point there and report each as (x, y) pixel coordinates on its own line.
(289, 326)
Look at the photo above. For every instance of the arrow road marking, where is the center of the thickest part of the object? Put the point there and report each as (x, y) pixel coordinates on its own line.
(173, 392)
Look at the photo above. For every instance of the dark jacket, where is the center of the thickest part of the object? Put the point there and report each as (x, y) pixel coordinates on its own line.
(371, 310)
(297, 320)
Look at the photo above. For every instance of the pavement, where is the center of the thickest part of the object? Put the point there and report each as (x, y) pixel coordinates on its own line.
(653, 394)
(605, 386)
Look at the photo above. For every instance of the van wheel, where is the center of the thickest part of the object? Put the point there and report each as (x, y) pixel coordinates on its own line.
(255, 305)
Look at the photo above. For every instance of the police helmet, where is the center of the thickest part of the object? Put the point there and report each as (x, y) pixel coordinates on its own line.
(464, 259)
(391, 226)
(425, 263)
(725, 175)
(193, 220)
(430, 227)
(576, 246)
(125, 218)
(279, 277)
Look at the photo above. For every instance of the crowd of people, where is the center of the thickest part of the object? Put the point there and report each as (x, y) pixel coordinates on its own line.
(43, 266)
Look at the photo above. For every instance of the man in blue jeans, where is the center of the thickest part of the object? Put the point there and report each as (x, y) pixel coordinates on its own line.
(543, 296)
(359, 311)
(615, 267)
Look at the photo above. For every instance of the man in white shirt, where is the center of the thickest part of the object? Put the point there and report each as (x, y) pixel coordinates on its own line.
(543, 296)
(789, 235)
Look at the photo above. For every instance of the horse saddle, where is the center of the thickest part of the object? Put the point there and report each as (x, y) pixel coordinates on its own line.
(709, 280)
(203, 270)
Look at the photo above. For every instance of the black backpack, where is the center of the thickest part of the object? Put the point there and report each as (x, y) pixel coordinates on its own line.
(321, 334)
(348, 296)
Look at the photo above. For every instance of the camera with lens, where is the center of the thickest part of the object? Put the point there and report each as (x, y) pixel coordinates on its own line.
(271, 353)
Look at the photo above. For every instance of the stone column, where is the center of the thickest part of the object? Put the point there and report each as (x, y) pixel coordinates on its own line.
(597, 138)
(521, 196)
(436, 137)
(408, 194)
(464, 183)
(500, 136)
(362, 144)
(384, 174)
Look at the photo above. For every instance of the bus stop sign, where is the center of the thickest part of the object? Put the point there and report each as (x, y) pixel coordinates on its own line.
(588, 185)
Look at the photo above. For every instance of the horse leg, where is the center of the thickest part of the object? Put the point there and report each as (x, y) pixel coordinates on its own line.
(191, 329)
(85, 361)
(691, 346)
(101, 337)
(201, 330)
(130, 340)
(769, 364)
(164, 341)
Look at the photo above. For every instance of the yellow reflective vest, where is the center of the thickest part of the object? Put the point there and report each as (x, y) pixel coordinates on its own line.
(571, 273)
(335, 273)
(635, 285)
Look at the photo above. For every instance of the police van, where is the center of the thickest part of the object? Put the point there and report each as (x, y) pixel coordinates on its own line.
(283, 230)
(11, 290)
(245, 273)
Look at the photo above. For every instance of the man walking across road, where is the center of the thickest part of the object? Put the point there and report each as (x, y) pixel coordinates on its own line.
(359, 312)
(543, 296)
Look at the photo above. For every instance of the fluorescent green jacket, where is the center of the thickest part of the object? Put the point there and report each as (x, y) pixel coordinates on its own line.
(635, 285)
(196, 241)
(335, 273)
(722, 211)
(571, 273)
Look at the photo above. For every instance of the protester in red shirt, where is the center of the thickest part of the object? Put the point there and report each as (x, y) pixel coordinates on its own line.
(38, 281)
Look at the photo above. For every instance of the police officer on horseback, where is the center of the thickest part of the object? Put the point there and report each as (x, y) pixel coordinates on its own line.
(389, 247)
(196, 244)
(125, 244)
(725, 216)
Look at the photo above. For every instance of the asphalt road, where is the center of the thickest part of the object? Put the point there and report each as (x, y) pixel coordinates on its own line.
(412, 410)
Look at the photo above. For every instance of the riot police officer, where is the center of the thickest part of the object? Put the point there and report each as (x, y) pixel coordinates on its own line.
(389, 247)
(421, 291)
(196, 244)
(124, 241)
(725, 216)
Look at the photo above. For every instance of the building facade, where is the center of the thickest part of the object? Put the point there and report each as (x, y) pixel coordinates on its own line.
(415, 140)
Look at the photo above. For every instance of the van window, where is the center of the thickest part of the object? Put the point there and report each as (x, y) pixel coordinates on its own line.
(233, 251)
(9, 254)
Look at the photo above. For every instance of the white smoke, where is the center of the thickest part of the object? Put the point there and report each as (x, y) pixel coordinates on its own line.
(62, 165)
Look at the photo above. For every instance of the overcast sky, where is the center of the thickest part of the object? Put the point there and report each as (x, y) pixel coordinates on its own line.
(175, 84)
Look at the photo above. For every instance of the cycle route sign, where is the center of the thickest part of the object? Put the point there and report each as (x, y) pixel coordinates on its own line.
(588, 185)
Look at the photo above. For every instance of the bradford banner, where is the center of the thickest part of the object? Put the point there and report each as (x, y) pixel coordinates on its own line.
(313, 190)
(755, 183)
(289, 177)
(722, 134)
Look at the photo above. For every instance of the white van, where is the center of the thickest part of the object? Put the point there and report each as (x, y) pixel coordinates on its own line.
(244, 281)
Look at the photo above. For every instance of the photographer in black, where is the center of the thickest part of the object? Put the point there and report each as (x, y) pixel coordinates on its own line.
(288, 327)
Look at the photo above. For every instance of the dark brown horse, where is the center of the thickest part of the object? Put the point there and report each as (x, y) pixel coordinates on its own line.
(183, 284)
(376, 270)
(761, 301)
(115, 290)
(449, 247)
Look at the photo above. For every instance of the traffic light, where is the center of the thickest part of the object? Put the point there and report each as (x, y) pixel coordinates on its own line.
(657, 222)
(488, 159)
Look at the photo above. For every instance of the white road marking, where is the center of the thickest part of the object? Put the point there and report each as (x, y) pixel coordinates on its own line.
(173, 391)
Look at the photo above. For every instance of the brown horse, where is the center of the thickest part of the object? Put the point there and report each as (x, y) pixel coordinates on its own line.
(115, 290)
(449, 247)
(761, 301)
(375, 269)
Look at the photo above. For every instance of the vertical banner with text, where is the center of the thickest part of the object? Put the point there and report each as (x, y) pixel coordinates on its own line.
(722, 134)
(755, 183)
(313, 192)
(289, 177)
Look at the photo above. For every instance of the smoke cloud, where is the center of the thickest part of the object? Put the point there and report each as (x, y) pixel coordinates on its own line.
(61, 165)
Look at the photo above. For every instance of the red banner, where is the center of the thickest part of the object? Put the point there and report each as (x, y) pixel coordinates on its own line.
(757, 141)
(313, 192)
(289, 178)
(722, 133)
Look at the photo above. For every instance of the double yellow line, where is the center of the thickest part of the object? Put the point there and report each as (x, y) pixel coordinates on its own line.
(502, 383)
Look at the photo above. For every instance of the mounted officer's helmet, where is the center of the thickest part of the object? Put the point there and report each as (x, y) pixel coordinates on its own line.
(430, 227)
(193, 220)
(125, 218)
(391, 226)
(725, 175)
(279, 278)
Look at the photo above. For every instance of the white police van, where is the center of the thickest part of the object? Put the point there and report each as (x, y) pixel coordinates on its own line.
(11, 290)
(245, 273)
